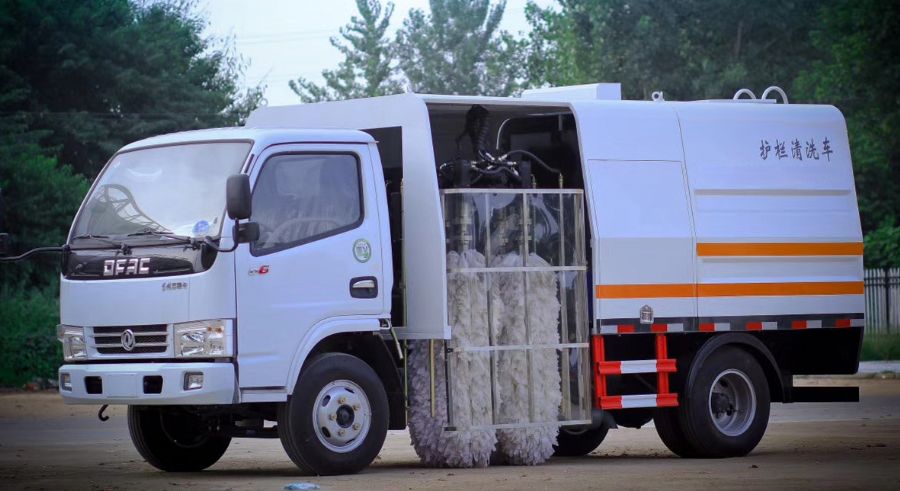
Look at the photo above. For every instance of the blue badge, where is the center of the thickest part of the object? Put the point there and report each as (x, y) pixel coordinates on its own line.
(201, 228)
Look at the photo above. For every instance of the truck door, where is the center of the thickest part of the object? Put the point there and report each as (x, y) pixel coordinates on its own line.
(319, 255)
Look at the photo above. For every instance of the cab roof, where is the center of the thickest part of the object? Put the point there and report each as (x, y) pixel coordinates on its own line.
(263, 136)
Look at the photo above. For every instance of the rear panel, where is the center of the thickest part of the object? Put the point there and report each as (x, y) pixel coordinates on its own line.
(779, 244)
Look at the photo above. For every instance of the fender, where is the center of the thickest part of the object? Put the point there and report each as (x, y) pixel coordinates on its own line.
(322, 330)
(754, 346)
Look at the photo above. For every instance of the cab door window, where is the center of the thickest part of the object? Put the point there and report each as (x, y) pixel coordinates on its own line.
(300, 198)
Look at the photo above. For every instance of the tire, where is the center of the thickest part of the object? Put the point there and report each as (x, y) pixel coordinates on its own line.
(726, 412)
(572, 443)
(174, 440)
(668, 427)
(318, 424)
(632, 418)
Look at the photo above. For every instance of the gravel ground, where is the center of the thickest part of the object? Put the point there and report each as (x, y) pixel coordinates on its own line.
(47, 445)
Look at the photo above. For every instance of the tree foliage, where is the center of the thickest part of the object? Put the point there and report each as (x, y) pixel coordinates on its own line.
(859, 72)
(98, 74)
(458, 49)
(367, 69)
(690, 49)
(41, 199)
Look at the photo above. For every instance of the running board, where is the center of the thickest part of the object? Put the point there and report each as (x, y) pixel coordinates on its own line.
(824, 394)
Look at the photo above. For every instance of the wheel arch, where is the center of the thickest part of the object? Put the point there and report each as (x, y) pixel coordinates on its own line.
(751, 345)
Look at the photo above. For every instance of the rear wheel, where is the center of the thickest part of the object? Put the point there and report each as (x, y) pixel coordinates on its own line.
(174, 439)
(336, 420)
(726, 412)
(668, 427)
(573, 442)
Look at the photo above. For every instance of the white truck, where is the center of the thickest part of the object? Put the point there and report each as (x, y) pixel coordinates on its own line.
(509, 277)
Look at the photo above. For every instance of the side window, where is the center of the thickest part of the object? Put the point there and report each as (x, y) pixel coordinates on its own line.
(300, 198)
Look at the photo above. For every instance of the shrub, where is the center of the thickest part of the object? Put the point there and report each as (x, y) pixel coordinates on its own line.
(881, 347)
(28, 345)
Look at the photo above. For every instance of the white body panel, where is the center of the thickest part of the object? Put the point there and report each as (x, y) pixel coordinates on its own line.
(739, 197)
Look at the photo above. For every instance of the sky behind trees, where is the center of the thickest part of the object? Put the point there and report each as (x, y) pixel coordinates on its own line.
(285, 39)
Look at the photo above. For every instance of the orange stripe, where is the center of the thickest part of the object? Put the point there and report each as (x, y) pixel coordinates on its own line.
(648, 291)
(686, 290)
(780, 289)
(781, 249)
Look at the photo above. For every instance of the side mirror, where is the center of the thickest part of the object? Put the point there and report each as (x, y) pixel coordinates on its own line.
(237, 196)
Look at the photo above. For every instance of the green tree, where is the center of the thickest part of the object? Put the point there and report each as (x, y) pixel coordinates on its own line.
(458, 49)
(859, 73)
(97, 74)
(41, 198)
(367, 69)
(690, 49)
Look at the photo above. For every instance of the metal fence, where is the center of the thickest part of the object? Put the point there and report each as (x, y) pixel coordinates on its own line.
(882, 301)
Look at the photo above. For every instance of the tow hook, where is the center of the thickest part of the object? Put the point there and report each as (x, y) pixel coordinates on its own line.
(100, 413)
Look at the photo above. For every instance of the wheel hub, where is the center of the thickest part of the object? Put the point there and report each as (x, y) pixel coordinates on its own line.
(732, 402)
(342, 416)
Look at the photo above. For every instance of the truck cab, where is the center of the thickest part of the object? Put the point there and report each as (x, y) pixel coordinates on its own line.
(157, 314)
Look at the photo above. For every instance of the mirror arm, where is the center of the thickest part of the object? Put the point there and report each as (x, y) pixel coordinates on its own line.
(39, 250)
(210, 242)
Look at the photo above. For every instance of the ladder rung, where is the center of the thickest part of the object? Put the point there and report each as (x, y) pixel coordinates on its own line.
(639, 400)
(636, 366)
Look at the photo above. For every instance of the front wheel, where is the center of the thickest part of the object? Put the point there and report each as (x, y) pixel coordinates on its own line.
(174, 439)
(336, 420)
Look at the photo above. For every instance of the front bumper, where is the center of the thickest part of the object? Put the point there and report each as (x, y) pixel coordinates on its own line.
(127, 383)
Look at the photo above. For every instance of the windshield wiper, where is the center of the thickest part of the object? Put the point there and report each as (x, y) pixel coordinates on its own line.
(183, 239)
(106, 240)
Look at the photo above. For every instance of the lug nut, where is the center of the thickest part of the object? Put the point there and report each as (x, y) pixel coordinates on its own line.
(356, 426)
(332, 417)
(340, 432)
(342, 400)
(356, 407)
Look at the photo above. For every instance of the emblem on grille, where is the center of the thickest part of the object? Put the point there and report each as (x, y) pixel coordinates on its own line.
(128, 340)
(126, 267)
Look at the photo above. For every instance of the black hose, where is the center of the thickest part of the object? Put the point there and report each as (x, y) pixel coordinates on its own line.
(531, 156)
(478, 129)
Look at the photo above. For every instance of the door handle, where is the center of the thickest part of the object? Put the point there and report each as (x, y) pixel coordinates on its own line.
(366, 284)
(364, 287)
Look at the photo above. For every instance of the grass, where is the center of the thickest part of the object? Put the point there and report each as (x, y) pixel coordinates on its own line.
(881, 347)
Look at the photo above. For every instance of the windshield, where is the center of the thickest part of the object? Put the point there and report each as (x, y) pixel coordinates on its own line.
(178, 189)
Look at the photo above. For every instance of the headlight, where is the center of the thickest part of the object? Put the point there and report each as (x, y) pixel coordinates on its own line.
(203, 338)
(72, 339)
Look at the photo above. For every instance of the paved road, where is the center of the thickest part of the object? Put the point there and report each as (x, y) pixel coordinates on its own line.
(45, 445)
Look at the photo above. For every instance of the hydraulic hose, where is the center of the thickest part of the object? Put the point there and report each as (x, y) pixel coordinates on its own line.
(532, 157)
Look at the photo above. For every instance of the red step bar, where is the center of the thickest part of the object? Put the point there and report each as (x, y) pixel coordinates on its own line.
(662, 366)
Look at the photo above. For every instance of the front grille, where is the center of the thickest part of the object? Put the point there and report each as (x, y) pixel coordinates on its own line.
(147, 339)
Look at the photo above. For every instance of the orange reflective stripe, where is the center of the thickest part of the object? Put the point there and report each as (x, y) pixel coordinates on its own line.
(780, 249)
(729, 290)
(650, 291)
(780, 289)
